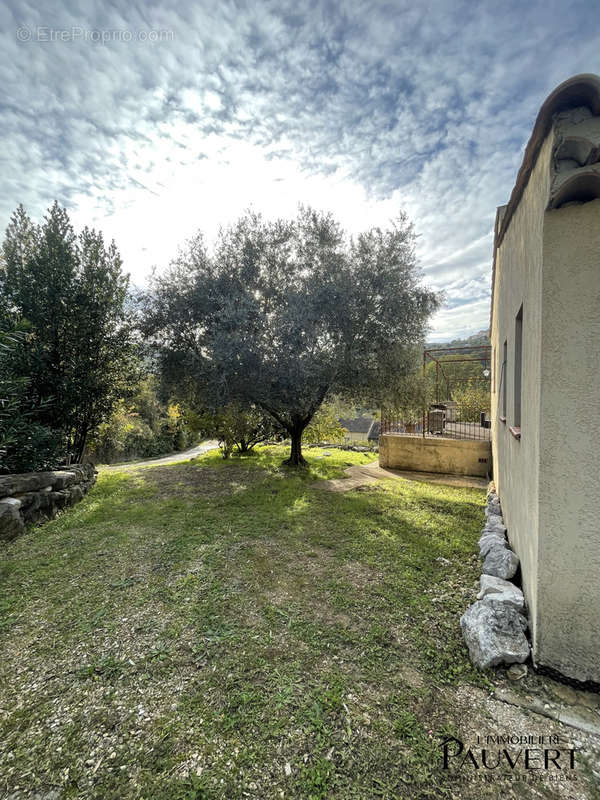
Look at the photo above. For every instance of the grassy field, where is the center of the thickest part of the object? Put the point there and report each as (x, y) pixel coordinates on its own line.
(230, 629)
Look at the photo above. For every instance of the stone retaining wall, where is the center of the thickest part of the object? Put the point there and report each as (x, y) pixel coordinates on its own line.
(38, 496)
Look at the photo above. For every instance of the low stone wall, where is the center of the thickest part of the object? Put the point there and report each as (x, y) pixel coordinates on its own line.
(38, 496)
(435, 454)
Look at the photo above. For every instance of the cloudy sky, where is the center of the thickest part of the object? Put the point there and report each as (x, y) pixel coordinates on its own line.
(150, 121)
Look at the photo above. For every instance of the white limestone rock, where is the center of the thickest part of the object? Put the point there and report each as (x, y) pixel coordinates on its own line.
(501, 562)
(493, 510)
(495, 523)
(493, 588)
(489, 540)
(494, 635)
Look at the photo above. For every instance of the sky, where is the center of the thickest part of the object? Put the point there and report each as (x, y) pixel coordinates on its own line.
(150, 121)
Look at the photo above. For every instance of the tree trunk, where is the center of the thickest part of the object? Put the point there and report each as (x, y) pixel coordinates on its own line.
(79, 443)
(296, 459)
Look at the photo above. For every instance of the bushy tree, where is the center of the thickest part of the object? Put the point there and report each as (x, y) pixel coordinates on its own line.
(471, 399)
(283, 314)
(324, 427)
(25, 445)
(239, 428)
(412, 393)
(70, 291)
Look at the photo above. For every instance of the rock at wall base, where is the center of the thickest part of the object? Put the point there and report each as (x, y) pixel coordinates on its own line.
(495, 524)
(517, 672)
(493, 588)
(501, 562)
(490, 540)
(494, 634)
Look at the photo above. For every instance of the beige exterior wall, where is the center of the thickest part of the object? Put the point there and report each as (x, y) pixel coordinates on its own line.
(516, 462)
(549, 480)
(569, 492)
(429, 454)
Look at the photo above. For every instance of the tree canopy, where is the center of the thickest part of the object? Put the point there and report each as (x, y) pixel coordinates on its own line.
(68, 291)
(282, 314)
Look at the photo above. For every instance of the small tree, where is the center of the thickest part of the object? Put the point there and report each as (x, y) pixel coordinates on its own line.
(471, 399)
(286, 313)
(412, 393)
(239, 428)
(324, 427)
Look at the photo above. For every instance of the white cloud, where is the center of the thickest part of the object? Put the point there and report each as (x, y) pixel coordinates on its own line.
(421, 107)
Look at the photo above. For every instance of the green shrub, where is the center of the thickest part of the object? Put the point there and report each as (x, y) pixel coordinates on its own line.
(25, 445)
(141, 427)
(181, 440)
(471, 400)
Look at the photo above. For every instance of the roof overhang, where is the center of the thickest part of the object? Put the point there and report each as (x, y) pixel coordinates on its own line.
(580, 90)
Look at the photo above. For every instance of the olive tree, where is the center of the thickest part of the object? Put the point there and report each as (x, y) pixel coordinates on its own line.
(283, 314)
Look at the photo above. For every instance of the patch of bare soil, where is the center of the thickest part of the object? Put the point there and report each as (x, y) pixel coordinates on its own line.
(189, 480)
(359, 476)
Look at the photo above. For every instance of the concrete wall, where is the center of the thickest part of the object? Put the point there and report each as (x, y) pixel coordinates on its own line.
(518, 282)
(429, 454)
(568, 636)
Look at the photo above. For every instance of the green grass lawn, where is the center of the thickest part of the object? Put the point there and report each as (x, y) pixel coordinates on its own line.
(230, 629)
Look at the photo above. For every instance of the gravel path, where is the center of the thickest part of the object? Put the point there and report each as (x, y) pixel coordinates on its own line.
(204, 447)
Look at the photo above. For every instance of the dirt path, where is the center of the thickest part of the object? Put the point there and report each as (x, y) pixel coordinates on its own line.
(204, 447)
(361, 475)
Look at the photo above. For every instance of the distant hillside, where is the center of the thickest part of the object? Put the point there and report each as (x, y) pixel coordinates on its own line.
(479, 338)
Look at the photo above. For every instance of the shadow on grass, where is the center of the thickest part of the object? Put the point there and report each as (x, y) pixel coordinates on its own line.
(266, 620)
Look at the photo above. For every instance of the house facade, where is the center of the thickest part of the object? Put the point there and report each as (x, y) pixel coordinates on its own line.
(358, 430)
(545, 334)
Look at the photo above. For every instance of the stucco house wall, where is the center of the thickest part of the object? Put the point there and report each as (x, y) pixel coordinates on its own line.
(519, 283)
(569, 544)
(547, 261)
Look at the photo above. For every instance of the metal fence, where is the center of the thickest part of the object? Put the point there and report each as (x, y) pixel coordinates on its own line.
(438, 422)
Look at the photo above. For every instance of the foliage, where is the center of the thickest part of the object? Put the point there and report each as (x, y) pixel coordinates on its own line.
(455, 379)
(141, 426)
(71, 292)
(239, 428)
(25, 445)
(471, 399)
(345, 408)
(455, 372)
(411, 394)
(284, 314)
(324, 427)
